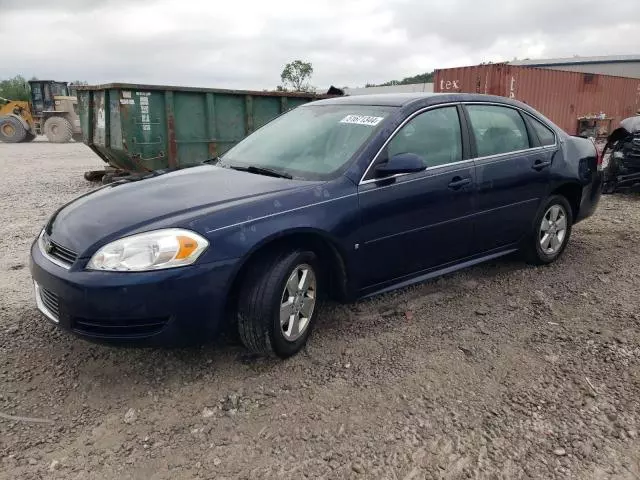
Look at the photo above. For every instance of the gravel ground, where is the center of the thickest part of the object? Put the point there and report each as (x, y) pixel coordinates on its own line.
(500, 371)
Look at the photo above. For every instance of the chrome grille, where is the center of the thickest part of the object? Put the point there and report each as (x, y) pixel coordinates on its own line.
(56, 251)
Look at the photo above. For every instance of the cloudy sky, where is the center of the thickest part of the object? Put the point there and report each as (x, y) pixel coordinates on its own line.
(245, 43)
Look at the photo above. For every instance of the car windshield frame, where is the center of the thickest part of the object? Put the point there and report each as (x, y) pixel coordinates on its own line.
(359, 122)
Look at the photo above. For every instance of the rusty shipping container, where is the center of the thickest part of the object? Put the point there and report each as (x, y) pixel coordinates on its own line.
(564, 97)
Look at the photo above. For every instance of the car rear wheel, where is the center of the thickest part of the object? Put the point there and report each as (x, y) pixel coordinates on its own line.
(279, 302)
(551, 231)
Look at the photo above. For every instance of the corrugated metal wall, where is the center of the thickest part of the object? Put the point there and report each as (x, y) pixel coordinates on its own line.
(561, 96)
(630, 69)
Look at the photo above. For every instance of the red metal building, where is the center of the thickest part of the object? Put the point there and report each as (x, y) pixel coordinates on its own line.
(574, 101)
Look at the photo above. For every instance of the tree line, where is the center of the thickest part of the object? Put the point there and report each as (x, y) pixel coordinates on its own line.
(426, 77)
(296, 75)
(15, 88)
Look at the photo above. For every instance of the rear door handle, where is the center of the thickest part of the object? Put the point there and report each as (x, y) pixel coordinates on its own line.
(459, 182)
(541, 164)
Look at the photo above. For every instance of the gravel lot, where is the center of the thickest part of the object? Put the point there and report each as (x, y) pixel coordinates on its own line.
(501, 371)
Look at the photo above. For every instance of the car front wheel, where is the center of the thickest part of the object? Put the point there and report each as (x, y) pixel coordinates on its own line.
(551, 231)
(278, 303)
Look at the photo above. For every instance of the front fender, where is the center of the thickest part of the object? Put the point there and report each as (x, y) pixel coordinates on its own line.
(335, 220)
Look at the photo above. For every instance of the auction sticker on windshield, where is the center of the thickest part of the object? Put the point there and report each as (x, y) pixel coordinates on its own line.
(362, 120)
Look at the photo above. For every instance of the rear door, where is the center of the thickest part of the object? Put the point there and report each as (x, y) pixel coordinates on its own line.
(415, 222)
(512, 173)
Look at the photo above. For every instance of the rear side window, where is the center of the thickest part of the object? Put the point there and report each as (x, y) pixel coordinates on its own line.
(545, 134)
(435, 135)
(497, 129)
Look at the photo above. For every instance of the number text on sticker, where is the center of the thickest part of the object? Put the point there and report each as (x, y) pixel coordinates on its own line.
(362, 120)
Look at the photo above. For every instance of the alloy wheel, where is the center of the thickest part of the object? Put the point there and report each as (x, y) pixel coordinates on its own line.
(553, 229)
(298, 302)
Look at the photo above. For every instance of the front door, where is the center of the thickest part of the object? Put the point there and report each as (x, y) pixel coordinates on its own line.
(512, 173)
(415, 222)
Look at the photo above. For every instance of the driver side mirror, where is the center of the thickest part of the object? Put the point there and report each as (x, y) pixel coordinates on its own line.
(401, 163)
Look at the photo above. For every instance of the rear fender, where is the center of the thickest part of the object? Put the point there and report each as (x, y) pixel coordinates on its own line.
(585, 151)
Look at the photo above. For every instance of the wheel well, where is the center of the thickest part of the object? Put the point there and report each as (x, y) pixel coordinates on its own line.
(327, 252)
(573, 194)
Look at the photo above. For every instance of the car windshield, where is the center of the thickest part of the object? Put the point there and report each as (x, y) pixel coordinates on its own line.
(312, 142)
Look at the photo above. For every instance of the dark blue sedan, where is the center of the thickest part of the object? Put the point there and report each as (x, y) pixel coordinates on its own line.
(341, 198)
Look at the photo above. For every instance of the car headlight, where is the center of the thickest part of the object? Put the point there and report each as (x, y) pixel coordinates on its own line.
(155, 250)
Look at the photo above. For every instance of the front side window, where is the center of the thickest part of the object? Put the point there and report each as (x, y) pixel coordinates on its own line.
(310, 142)
(434, 135)
(497, 129)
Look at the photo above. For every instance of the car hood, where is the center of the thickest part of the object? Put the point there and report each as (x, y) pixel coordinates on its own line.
(171, 199)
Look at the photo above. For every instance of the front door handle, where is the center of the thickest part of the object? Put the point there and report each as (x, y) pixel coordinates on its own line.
(459, 182)
(541, 164)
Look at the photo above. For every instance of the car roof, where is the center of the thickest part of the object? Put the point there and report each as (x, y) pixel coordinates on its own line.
(406, 99)
(379, 99)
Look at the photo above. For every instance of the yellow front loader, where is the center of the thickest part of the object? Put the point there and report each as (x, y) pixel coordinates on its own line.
(51, 111)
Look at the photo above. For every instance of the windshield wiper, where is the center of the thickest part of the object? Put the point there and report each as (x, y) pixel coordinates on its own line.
(262, 171)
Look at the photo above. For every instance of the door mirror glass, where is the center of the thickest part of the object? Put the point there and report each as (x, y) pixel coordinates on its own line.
(401, 163)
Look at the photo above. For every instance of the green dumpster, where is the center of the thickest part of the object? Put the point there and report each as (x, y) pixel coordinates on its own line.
(141, 128)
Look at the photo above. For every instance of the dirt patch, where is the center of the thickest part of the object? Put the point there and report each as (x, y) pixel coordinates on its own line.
(500, 371)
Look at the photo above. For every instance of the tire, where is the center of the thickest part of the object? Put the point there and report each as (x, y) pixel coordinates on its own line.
(58, 130)
(29, 138)
(535, 251)
(269, 282)
(12, 130)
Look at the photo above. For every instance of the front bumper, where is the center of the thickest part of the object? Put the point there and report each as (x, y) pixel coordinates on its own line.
(167, 307)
